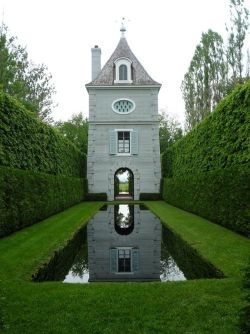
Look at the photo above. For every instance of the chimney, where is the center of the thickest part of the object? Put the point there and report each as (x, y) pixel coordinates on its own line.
(96, 61)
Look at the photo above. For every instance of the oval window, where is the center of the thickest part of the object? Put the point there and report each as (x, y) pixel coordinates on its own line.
(123, 106)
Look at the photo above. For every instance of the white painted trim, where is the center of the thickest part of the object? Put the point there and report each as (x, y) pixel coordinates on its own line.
(125, 122)
(123, 81)
(123, 87)
(123, 58)
(123, 99)
(123, 61)
(123, 154)
(131, 261)
(130, 130)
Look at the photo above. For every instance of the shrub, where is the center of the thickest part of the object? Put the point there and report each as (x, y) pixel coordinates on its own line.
(150, 196)
(96, 197)
(222, 196)
(27, 197)
(29, 144)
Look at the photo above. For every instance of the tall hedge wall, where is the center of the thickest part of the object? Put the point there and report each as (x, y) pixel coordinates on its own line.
(27, 143)
(27, 197)
(208, 171)
(41, 172)
(222, 140)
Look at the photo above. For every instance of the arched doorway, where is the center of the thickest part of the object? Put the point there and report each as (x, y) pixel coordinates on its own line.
(124, 184)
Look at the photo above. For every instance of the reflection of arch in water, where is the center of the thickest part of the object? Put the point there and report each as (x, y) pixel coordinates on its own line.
(124, 183)
(124, 218)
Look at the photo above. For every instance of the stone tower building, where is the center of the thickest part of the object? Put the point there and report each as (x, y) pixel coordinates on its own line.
(123, 124)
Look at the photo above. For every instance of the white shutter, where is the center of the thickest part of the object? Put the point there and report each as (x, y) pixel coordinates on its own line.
(135, 259)
(112, 142)
(134, 141)
(113, 260)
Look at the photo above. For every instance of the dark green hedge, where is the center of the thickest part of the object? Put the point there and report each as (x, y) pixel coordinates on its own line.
(96, 197)
(245, 314)
(150, 196)
(222, 140)
(27, 197)
(222, 196)
(27, 143)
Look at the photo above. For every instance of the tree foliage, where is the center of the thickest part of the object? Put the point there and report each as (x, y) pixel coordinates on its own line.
(215, 68)
(204, 84)
(75, 130)
(170, 130)
(237, 34)
(21, 78)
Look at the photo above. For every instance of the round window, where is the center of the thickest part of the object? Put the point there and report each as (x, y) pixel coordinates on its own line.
(123, 106)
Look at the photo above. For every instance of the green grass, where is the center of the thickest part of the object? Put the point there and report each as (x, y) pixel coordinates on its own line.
(199, 306)
(225, 249)
(123, 187)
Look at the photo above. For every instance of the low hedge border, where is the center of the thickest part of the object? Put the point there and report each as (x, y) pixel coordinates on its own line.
(221, 196)
(27, 197)
(150, 196)
(96, 197)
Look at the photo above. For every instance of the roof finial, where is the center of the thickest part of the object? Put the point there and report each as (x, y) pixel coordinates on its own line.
(123, 29)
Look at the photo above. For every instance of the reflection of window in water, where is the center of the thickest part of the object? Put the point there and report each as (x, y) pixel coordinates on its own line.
(124, 260)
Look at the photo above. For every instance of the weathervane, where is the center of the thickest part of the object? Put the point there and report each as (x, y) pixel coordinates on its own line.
(123, 29)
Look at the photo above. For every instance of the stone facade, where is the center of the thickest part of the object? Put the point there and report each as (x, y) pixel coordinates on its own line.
(143, 158)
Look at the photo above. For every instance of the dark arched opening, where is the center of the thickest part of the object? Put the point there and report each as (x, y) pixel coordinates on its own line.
(124, 218)
(123, 72)
(124, 184)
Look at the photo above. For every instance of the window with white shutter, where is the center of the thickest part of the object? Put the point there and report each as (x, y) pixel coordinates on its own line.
(123, 142)
(124, 260)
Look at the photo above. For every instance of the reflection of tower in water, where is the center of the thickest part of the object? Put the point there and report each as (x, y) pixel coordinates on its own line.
(124, 243)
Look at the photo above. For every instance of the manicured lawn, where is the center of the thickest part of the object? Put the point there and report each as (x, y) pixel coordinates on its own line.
(123, 187)
(199, 306)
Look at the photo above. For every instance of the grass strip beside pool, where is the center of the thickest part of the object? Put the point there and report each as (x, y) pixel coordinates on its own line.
(227, 250)
(197, 306)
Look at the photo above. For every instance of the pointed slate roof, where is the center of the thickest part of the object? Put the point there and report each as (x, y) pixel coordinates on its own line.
(106, 76)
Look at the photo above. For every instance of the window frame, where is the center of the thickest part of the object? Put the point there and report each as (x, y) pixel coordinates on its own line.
(117, 141)
(128, 63)
(123, 99)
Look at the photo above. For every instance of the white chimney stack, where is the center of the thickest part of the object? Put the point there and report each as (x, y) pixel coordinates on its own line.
(96, 61)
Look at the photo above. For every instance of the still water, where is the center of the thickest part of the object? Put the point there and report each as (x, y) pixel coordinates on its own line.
(124, 243)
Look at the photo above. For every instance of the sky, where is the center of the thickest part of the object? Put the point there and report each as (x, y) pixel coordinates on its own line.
(162, 34)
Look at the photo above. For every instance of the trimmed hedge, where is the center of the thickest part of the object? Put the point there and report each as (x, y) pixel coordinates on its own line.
(245, 314)
(150, 196)
(27, 197)
(222, 196)
(207, 172)
(222, 140)
(96, 197)
(27, 143)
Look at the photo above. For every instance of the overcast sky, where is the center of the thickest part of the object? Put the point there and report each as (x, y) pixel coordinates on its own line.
(162, 34)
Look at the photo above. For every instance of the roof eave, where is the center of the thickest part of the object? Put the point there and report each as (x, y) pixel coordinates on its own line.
(89, 86)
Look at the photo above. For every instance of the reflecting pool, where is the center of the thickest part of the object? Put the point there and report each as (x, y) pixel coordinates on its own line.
(124, 243)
